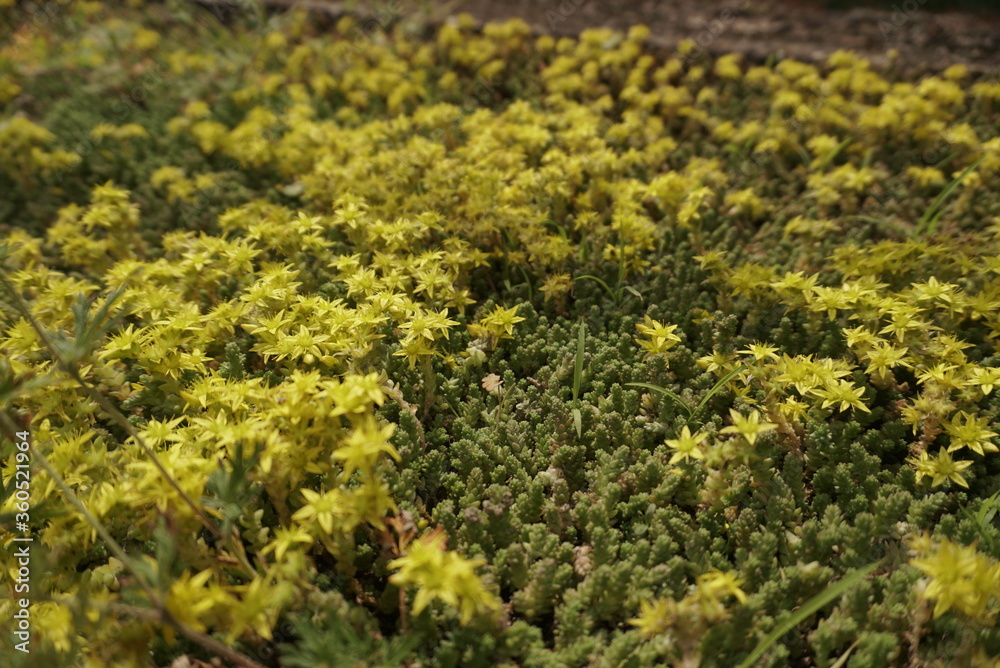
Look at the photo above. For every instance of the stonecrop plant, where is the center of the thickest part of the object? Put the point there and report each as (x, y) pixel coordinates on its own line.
(353, 344)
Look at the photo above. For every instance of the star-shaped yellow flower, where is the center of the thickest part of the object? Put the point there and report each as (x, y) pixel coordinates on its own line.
(749, 427)
(687, 446)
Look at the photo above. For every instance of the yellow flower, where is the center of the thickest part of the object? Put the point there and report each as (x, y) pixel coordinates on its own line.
(717, 361)
(940, 469)
(960, 577)
(883, 356)
(659, 338)
(323, 509)
(157, 432)
(760, 351)
(656, 617)
(725, 584)
(259, 606)
(190, 599)
(843, 393)
(361, 450)
(689, 210)
(497, 325)
(728, 66)
(443, 575)
(54, 623)
(502, 320)
(556, 285)
(986, 378)
(687, 446)
(286, 539)
(749, 427)
(972, 434)
(926, 176)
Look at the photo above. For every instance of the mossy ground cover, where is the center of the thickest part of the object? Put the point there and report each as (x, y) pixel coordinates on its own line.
(448, 347)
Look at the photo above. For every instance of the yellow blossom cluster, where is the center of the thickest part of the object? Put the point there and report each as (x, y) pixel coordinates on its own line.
(686, 620)
(958, 577)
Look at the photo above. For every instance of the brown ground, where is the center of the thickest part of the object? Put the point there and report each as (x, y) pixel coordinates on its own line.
(792, 28)
(800, 29)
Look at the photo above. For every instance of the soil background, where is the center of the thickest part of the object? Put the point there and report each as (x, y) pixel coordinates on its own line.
(807, 30)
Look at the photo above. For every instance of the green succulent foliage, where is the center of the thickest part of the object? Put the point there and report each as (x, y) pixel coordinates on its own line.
(334, 643)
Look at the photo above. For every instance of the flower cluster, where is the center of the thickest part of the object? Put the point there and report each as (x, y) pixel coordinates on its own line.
(958, 577)
(686, 620)
(444, 575)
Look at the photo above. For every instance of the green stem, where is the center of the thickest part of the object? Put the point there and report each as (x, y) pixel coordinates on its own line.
(429, 384)
(397, 396)
(97, 525)
(206, 641)
(101, 401)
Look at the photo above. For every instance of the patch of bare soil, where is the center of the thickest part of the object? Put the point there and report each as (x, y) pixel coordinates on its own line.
(759, 29)
(782, 28)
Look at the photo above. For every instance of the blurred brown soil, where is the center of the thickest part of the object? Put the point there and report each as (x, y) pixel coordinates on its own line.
(783, 28)
(759, 29)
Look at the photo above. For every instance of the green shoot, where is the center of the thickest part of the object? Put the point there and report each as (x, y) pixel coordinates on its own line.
(719, 385)
(581, 344)
(667, 393)
(832, 155)
(704, 401)
(933, 213)
(828, 595)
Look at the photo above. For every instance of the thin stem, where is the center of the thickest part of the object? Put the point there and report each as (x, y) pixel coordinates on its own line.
(108, 407)
(402, 610)
(98, 526)
(429, 382)
(397, 396)
(205, 640)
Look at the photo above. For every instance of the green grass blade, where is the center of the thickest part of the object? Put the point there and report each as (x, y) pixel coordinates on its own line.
(667, 393)
(621, 257)
(945, 160)
(527, 280)
(929, 220)
(603, 284)
(867, 219)
(984, 517)
(832, 155)
(989, 509)
(867, 160)
(581, 344)
(719, 385)
(834, 591)
(578, 422)
(842, 661)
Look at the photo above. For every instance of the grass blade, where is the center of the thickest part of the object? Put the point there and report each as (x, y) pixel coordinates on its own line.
(834, 591)
(633, 291)
(842, 661)
(603, 284)
(581, 344)
(667, 393)
(929, 220)
(527, 280)
(989, 509)
(832, 155)
(719, 385)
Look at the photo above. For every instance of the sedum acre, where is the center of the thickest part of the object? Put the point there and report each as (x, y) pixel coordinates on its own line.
(284, 307)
